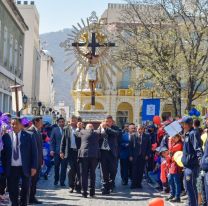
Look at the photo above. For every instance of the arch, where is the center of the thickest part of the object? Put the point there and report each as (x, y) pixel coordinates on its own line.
(124, 113)
(98, 106)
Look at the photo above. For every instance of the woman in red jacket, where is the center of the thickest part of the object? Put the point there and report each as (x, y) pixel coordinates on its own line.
(174, 145)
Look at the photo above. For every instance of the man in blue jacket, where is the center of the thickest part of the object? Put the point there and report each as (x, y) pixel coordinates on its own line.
(192, 155)
(20, 160)
(125, 164)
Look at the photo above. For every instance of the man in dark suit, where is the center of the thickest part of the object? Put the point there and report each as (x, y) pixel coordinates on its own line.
(109, 154)
(88, 155)
(69, 150)
(35, 130)
(19, 158)
(140, 147)
(56, 136)
(125, 164)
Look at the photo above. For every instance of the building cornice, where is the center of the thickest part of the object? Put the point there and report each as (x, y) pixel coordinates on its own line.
(17, 13)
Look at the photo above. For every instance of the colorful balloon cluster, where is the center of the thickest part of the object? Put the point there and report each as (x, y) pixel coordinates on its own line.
(194, 112)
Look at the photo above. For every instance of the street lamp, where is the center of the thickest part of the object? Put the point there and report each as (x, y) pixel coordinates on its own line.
(39, 106)
(50, 110)
(43, 109)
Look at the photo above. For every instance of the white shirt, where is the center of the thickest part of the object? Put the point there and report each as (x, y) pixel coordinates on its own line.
(103, 147)
(17, 162)
(61, 130)
(73, 140)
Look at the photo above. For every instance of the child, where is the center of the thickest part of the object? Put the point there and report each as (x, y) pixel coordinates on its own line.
(174, 172)
(164, 169)
(46, 156)
(154, 175)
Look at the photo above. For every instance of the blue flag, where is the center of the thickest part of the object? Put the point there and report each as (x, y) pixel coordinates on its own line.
(150, 108)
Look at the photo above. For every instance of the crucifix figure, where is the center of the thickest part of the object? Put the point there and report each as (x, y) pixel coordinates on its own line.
(93, 59)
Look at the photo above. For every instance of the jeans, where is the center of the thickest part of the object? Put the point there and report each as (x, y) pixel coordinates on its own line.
(190, 176)
(153, 176)
(175, 185)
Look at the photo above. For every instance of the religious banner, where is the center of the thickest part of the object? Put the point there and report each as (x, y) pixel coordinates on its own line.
(150, 108)
(17, 103)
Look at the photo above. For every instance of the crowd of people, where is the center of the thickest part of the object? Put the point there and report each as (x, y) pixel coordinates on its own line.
(29, 149)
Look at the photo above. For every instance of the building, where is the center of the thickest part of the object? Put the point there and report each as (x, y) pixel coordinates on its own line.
(12, 36)
(31, 73)
(62, 110)
(122, 101)
(46, 90)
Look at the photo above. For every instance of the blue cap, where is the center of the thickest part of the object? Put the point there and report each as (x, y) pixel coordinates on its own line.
(157, 149)
(163, 149)
(187, 120)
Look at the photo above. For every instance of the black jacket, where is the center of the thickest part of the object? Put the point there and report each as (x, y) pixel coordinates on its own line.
(38, 138)
(89, 143)
(112, 136)
(66, 141)
(28, 150)
(137, 148)
(192, 150)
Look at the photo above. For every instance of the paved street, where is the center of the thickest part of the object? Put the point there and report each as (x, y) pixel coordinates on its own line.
(51, 195)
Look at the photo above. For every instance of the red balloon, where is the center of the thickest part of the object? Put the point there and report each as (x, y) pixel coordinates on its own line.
(157, 202)
(157, 120)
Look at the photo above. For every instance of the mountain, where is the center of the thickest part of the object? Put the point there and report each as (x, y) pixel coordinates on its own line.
(62, 80)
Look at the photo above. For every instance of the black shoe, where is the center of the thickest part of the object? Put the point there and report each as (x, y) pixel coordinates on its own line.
(56, 183)
(62, 185)
(71, 190)
(92, 192)
(35, 201)
(84, 194)
(175, 200)
(105, 192)
(169, 198)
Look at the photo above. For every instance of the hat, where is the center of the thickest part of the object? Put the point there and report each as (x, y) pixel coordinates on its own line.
(157, 149)
(186, 120)
(163, 149)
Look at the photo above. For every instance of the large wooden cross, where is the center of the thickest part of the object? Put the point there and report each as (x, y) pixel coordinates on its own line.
(93, 45)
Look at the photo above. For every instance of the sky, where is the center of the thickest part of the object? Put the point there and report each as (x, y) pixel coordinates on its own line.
(56, 15)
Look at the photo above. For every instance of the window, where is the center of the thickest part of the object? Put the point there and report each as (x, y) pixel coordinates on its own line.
(15, 55)
(5, 45)
(11, 52)
(19, 73)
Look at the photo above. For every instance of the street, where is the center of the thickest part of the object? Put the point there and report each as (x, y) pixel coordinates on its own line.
(51, 195)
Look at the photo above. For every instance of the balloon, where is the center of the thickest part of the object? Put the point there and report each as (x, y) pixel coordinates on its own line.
(156, 120)
(178, 158)
(157, 202)
(191, 113)
(197, 113)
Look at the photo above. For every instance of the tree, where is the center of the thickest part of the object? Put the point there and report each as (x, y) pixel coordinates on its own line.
(167, 41)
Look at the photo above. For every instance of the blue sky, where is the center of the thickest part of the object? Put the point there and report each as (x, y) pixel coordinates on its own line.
(58, 14)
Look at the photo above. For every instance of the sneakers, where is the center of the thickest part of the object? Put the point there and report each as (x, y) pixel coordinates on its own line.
(169, 198)
(175, 199)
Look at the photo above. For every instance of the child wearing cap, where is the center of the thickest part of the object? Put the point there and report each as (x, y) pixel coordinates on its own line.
(174, 171)
(154, 175)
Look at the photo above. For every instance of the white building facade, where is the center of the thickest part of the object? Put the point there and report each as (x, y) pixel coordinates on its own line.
(46, 91)
(31, 74)
(12, 35)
